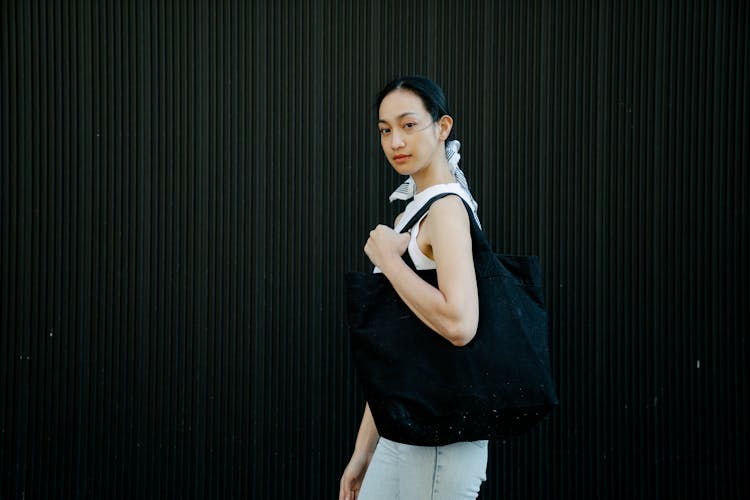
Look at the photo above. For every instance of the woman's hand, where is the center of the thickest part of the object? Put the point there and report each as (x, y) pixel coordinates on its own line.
(351, 479)
(386, 245)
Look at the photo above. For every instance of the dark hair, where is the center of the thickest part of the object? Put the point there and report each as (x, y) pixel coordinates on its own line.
(429, 92)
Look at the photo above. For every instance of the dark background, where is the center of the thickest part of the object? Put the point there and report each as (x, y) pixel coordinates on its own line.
(184, 184)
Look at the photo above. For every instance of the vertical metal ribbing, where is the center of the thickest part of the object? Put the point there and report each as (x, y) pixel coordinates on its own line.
(183, 185)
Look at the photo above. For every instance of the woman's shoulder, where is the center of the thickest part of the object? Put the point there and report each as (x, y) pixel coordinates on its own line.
(450, 205)
(398, 219)
(455, 200)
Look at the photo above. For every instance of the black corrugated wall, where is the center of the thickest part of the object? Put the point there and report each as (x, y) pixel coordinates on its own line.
(184, 183)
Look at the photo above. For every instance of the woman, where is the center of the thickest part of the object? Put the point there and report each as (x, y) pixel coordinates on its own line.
(415, 125)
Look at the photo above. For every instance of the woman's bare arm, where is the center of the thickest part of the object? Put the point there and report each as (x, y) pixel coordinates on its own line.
(364, 447)
(452, 309)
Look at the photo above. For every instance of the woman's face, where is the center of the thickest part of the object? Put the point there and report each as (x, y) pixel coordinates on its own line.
(411, 140)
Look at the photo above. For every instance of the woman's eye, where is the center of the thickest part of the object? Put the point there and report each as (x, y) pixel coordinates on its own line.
(410, 125)
(384, 131)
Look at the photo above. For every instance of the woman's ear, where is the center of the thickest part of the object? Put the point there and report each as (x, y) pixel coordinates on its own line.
(446, 125)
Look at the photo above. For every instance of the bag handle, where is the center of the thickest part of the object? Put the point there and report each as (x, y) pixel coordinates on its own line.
(479, 241)
(425, 208)
(523, 269)
(476, 232)
(415, 218)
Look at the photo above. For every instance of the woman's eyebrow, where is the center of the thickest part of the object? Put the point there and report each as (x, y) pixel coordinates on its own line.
(382, 120)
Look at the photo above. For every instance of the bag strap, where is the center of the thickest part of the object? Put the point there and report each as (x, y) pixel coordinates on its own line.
(415, 218)
(425, 208)
(476, 230)
(479, 242)
(524, 269)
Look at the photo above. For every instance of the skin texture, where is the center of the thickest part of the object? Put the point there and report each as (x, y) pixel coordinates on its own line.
(414, 145)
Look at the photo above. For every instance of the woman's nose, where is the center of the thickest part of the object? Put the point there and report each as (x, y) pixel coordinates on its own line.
(396, 140)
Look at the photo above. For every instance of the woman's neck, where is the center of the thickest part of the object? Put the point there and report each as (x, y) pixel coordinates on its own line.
(434, 174)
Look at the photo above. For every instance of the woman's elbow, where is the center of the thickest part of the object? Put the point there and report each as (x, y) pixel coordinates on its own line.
(462, 334)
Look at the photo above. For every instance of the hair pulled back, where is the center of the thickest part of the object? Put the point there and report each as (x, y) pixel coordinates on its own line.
(429, 92)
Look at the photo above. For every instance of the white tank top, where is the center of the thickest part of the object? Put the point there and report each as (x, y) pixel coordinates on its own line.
(421, 261)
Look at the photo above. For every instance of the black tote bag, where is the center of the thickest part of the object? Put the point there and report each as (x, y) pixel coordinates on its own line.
(421, 389)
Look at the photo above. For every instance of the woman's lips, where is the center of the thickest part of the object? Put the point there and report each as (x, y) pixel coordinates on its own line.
(400, 158)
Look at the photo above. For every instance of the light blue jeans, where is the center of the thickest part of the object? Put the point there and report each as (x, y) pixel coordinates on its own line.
(406, 472)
